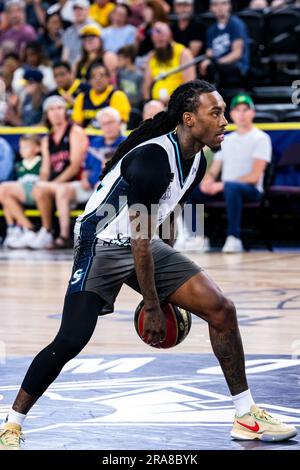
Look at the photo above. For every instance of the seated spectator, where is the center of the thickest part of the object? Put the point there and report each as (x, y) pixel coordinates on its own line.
(29, 111)
(7, 157)
(36, 12)
(258, 5)
(7, 95)
(151, 108)
(68, 87)
(63, 152)
(136, 12)
(120, 33)
(227, 47)
(130, 78)
(92, 52)
(51, 39)
(241, 162)
(101, 150)
(71, 39)
(153, 12)
(33, 58)
(100, 12)
(186, 30)
(14, 195)
(100, 95)
(18, 33)
(166, 56)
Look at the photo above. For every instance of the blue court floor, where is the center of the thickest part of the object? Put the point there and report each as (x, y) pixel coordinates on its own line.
(162, 401)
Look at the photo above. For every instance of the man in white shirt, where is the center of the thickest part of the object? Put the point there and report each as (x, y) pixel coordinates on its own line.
(241, 163)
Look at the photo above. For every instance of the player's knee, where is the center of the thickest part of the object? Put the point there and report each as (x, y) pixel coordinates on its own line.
(224, 315)
(67, 346)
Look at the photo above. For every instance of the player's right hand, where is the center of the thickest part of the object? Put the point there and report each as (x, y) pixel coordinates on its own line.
(154, 331)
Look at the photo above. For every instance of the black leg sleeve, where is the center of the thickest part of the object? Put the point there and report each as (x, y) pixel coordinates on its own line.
(79, 320)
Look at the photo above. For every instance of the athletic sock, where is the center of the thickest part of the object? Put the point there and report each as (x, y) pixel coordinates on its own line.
(242, 402)
(15, 417)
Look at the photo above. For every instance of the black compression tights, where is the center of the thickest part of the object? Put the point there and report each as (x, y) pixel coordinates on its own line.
(77, 326)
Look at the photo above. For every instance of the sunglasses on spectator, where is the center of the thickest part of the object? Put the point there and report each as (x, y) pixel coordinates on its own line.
(156, 30)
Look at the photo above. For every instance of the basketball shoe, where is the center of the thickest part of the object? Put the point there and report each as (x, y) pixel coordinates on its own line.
(259, 424)
(11, 437)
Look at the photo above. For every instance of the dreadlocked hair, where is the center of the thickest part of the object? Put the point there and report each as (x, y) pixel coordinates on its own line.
(184, 99)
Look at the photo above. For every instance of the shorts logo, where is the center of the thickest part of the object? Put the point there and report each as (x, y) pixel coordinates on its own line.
(77, 276)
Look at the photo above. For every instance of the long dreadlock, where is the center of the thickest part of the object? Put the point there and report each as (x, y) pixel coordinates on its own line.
(184, 99)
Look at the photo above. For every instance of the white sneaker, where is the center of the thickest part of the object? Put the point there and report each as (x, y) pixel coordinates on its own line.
(43, 239)
(199, 244)
(232, 245)
(12, 234)
(23, 241)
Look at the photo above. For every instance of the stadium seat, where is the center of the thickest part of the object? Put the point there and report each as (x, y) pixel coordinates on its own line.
(280, 33)
(291, 116)
(273, 94)
(254, 22)
(266, 116)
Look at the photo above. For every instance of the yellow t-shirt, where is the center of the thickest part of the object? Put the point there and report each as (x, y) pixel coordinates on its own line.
(101, 14)
(89, 103)
(173, 81)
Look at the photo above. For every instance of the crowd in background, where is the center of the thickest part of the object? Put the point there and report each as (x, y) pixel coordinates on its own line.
(77, 64)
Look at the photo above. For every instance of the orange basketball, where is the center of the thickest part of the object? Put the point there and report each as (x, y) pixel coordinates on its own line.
(178, 324)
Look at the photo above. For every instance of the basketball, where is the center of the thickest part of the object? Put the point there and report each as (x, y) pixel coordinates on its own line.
(178, 324)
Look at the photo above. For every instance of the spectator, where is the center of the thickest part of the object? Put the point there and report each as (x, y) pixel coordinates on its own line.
(100, 12)
(120, 33)
(152, 108)
(34, 59)
(92, 52)
(14, 195)
(258, 5)
(36, 12)
(166, 56)
(130, 78)
(6, 161)
(100, 95)
(68, 87)
(186, 30)
(101, 149)
(153, 12)
(242, 161)
(227, 46)
(51, 38)
(136, 12)
(63, 152)
(18, 33)
(71, 39)
(30, 108)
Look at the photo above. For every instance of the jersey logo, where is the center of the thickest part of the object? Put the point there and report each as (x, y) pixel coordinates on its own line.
(77, 276)
(172, 177)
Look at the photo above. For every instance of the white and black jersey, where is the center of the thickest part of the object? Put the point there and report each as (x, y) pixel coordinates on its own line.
(154, 172)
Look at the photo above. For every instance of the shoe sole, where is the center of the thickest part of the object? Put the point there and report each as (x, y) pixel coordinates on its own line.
(265, 437)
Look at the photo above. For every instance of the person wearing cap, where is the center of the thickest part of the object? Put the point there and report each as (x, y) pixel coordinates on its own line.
(120, 33)
(100, 95)
(166, 56)
(63, 152)
(29, 112)
(92, 52)
(186, 29)
(68, 87)
(240, 165)
(71, 38)
(100, 12)
(18, 33)
(34, 58)
(227, 53)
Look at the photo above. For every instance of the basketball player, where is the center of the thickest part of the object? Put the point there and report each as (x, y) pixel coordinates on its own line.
(159, 163)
